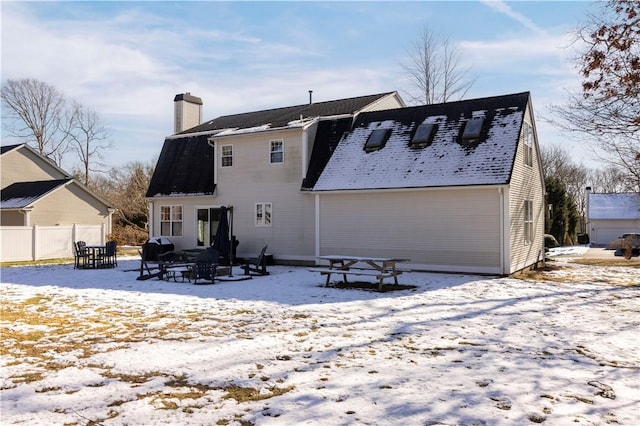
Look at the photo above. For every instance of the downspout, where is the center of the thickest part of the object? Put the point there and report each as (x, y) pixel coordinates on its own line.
(317, 225)
(504, 232)
(26, 215)
(111, 211)
(150, 219)
(305, 150)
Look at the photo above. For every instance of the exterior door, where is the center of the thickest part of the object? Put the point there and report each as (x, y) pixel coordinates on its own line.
(207, 221)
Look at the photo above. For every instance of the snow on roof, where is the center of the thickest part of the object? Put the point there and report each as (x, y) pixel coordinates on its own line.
(614, 206)
(18, 203)
(447, 161)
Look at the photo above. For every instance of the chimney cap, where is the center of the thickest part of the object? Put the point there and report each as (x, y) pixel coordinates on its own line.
(187, 97)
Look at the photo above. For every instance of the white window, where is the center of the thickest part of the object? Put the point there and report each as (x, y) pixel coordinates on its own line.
(263, 214)
(171, 221)
(527, 131)
(227, 155)
(276, 154)
(528, 221)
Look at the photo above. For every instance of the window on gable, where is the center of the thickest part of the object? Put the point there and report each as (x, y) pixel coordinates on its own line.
(527, 136)
(528, 221)
(171, 221)
(227, 155)
(276, 154)
(263, 214)
(423, 135)
(377, 139)
(472, 129)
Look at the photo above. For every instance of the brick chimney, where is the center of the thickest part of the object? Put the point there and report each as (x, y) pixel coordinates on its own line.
(187, 111)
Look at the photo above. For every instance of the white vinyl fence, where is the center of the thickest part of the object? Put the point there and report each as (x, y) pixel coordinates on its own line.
(18, 243)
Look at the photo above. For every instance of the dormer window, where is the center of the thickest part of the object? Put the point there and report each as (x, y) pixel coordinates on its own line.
(423, 135)
(472, 129)
(377, 139)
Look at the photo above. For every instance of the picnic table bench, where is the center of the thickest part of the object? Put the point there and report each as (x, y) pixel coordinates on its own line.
(378, 267)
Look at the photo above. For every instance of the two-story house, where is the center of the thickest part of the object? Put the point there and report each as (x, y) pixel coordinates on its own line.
(254, 163)
(453, 187)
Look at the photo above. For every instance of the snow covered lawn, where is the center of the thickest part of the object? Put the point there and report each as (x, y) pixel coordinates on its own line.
(84, 347)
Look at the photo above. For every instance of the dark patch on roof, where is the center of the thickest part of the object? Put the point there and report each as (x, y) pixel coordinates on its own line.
(8, 148)
(185, 166)
(328, 135)
(280, 117)
(22, 194)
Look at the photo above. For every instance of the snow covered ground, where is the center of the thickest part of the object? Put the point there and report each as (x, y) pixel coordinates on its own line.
(94, 347)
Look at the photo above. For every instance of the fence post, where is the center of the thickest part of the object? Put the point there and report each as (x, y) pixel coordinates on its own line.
(34, 250)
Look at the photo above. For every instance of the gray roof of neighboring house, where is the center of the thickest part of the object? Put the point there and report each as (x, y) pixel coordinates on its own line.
(614, 206)
(446, 161)
(23, 194)
(7, 148)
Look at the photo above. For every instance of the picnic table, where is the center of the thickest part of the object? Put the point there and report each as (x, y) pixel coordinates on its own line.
(379, 267)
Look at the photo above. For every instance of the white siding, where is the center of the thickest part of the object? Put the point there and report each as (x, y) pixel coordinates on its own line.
(455, 230)
(253, 179)
(388, 102)
(526, 184)
(603, 231)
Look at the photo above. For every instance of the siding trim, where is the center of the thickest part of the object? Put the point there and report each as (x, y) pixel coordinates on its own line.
(418, 188)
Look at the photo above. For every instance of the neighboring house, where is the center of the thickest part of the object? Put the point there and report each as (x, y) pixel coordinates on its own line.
(453, 187)
(609, 216)
(36, 192)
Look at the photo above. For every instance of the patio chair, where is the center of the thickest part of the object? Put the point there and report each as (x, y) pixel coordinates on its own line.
(205, 267)
(256, 265)
(81, 255)
(108, 258)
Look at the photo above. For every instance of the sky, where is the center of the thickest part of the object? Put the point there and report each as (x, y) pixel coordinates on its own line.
(100, 347)
(128, 60)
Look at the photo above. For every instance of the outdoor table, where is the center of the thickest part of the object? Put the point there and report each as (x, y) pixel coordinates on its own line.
(94, 253)
(167, 269)
(379, 267)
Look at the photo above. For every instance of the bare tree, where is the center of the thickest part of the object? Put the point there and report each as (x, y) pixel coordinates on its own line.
(88, 137)
(606, 114)
(37, 114)
(609, 180)
(125, 187)
(434, 70)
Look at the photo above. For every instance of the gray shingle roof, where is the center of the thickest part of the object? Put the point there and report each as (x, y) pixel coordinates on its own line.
(279, 117)
(447, 161)
(185, 165)
(23, 194)
(614, 206)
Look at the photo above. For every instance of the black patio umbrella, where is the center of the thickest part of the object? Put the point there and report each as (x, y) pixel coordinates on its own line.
(221, 242)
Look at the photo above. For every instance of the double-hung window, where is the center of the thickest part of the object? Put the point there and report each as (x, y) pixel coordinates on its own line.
(528, 221)
(276, 152)
(171, 221)
(527, 131)
(263, 214)
(227, 155)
